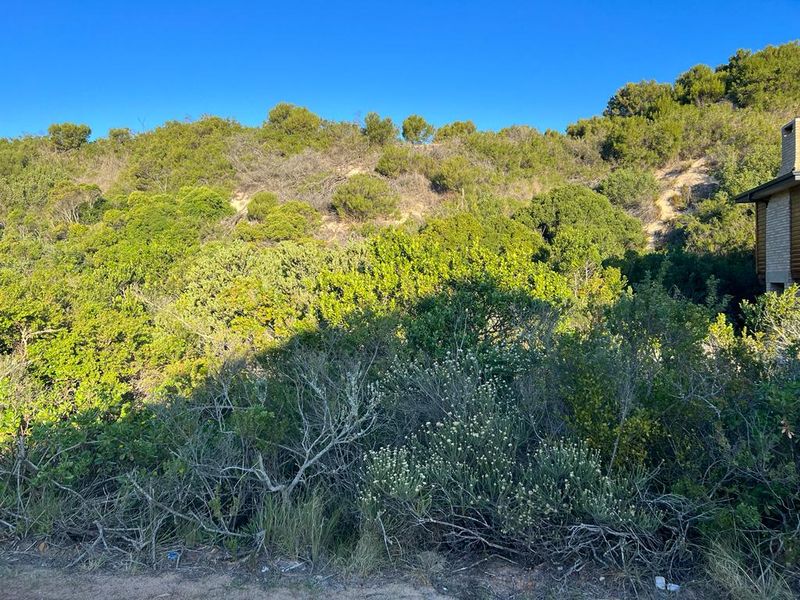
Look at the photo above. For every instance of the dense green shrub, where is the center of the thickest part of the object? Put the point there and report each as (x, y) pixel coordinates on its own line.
(456, 129)
(178, 154)
(765, 78)
(633, 189)
(293, 119)
(642, 141)
(379, 131)
(120, 135)
(456, 174)
(740, 172)
(203, 203)
(364, 196)
(277, 222)
(717, 226)
(290, 129)
(395, 161)
(68, 136)
(417, 130)
(643, 99)
(700, 85)
(576, 208)
(261, 205)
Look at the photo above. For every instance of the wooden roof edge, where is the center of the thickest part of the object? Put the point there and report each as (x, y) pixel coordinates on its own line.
(765, 190)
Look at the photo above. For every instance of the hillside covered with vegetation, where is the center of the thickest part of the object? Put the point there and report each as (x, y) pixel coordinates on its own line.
(355, 342)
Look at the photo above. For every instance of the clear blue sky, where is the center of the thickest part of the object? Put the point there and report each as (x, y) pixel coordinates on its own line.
(137, 64)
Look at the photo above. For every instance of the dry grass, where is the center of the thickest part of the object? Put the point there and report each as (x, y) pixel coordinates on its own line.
(310, 176)
(104, 170)
(754, 579)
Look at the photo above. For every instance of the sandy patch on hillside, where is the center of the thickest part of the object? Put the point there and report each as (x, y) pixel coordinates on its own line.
(674, 179)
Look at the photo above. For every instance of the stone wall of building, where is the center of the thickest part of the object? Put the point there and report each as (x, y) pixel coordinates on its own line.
(778, 240)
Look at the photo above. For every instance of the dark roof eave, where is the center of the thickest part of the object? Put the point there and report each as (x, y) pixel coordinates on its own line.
(767, 189)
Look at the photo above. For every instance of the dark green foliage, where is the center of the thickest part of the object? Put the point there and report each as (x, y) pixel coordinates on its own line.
(565, 210)
(417, 130)
(290, 129)
(293, 120)
(364, 196)
(203, 203)
(642, 141)
(718, 226)
(743, 170)
(700, 85)
(766, 78)
(68, 136)
(643, 99)
(397, 160)
(379, 131)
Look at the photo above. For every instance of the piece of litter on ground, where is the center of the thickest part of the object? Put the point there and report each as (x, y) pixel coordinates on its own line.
(661, 583)
(673, 587)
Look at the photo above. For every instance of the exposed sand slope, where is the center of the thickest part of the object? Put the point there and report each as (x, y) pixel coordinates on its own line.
(673, 180)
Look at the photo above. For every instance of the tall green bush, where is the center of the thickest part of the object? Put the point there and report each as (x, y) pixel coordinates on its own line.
(68, 136)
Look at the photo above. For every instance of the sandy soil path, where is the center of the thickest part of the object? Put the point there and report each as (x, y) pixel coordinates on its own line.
(32, 583)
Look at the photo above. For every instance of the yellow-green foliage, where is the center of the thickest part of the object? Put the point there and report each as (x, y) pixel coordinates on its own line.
(456, 129)
(514, 358)
(416, 129)
(179, 154)
(270, 220)
(68, 136)
(289, 129)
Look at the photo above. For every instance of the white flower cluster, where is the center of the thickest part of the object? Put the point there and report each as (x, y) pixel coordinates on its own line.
(391, 474)
(564, 484)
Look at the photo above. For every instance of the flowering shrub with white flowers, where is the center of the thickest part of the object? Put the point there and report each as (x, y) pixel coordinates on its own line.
(478, 478)
(565, 505)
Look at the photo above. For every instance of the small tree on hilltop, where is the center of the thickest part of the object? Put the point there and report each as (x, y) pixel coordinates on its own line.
(417, 130)
(643, 99)
(68, 136)
(119, 135)
(378, 131)
(455, 129)
(700, 85)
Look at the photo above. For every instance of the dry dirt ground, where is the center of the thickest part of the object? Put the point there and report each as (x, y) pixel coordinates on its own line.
(32, 578)
(53, 584)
